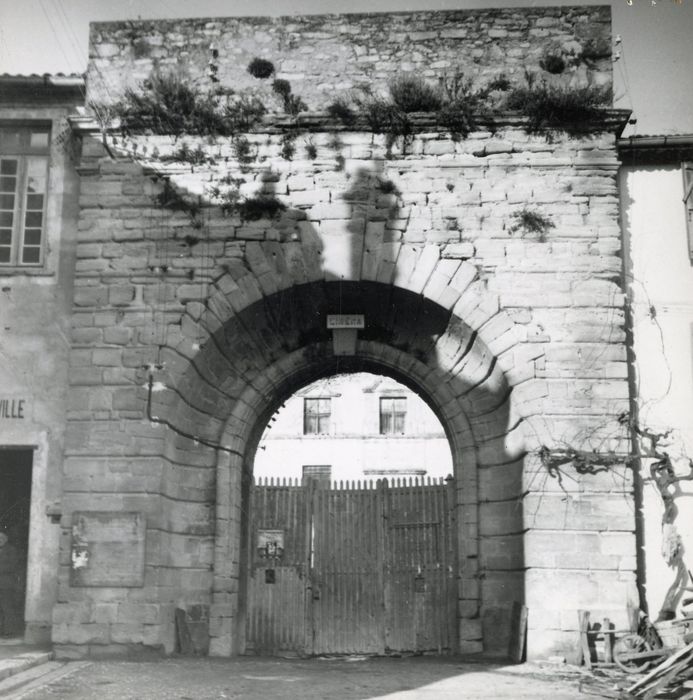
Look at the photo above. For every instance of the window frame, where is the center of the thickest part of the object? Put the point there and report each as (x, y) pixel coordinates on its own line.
(31, 162)
(319, 415)
(393, 415)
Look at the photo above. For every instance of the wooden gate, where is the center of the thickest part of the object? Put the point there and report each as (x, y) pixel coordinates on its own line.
(356, 568)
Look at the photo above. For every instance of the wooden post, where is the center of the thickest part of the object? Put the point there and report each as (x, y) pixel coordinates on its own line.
(583, 627)
(608, 641)
(518, 632)
(383, 578)
(633, 619)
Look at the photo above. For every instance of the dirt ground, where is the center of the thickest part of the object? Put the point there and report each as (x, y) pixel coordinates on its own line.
(350, 678)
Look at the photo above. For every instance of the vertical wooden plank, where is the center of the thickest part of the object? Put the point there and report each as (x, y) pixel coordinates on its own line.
(308, 494)
(583, 627)
(451, 558)
(419, 518)
(608, 641)
(518, 632)
(334, 598)
(379, 534)
(436, 596)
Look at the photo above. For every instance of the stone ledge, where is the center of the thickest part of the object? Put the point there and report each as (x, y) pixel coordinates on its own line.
(611, 120)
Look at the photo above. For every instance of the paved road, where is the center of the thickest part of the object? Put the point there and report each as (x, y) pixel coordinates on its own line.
(287, 679)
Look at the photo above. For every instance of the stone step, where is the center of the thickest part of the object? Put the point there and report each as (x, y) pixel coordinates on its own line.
(18, 685)
(37, 677)
(18, 680)
(22, 662)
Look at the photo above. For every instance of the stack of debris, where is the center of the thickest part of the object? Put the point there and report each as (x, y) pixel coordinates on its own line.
(664, 647)
(672, 675)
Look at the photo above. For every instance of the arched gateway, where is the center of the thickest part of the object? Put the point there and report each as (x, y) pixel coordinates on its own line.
(207, 268)
(281, 342)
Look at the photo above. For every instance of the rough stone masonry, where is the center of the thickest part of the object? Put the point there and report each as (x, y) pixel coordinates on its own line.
(192, 324)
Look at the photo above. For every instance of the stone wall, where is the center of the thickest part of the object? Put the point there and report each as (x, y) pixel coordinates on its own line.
(211, 307)
(326, 55)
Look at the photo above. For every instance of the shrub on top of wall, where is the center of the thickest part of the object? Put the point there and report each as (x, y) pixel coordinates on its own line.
(558, 106)
(260, 68)
(241, 112)
(292, 103)
(167, 103)
(414, 94)
(460, 102)
(341, 110)
(553, 63)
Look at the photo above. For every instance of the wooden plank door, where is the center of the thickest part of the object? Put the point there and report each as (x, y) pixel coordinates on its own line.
(419, 578)
(277, 580)
(362, 569)
(346, 572)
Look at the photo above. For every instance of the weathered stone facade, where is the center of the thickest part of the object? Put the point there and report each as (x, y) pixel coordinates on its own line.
(323, 55)
(190, 328)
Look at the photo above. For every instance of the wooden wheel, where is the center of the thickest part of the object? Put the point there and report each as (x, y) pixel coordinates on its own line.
(631, 644)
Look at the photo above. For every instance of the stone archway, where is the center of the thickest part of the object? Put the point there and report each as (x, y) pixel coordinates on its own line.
(262, 353)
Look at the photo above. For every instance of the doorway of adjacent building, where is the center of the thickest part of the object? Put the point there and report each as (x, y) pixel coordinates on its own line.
(15, 502)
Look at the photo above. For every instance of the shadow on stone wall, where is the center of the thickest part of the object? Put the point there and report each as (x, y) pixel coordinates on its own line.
(266, 337)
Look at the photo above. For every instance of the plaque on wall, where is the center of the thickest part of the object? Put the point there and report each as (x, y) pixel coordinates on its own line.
(107, 549)
(270, 544)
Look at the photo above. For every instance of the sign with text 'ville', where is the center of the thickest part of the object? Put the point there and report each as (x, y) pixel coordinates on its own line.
(12, 409)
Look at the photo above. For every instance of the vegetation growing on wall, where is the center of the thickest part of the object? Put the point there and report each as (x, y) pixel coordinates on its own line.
(168, 103)
(225, 194)
(243, 152)
(288, 149)
(652, 446)
(341, 110)
(184, 154)
(558, 107)
(456, 103)
(261, 68)
(531, 221)
(414, 94)
(311, 148)
(553, 63)
(293, 104)
(171, 198)
(259, 207)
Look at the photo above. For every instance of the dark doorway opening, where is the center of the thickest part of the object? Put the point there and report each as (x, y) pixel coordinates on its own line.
(15, 505)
